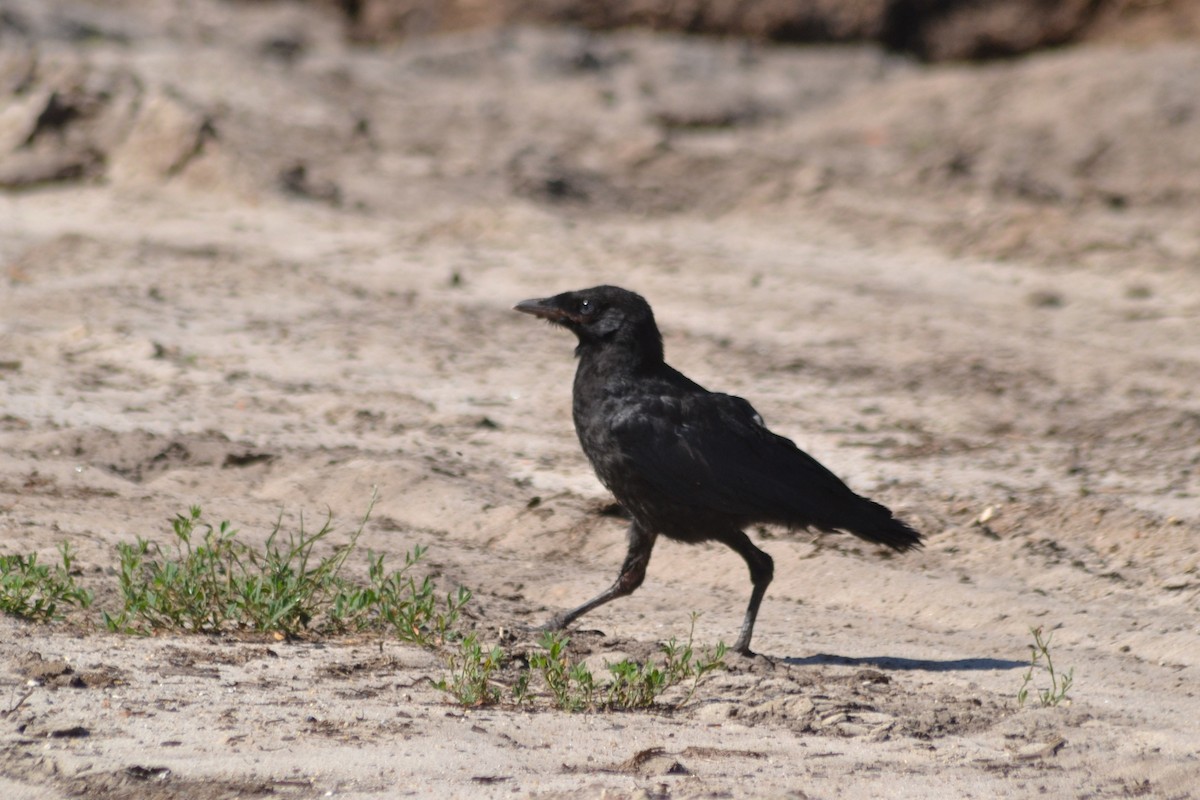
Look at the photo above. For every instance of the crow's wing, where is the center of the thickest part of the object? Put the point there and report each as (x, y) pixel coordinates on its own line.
(712, 451)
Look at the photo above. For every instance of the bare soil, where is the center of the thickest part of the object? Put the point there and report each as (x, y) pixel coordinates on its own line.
(246, 265)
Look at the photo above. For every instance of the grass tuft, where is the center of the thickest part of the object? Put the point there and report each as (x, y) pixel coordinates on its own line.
(469, 679)
(571, 686)
(211, 581)
(34, 591)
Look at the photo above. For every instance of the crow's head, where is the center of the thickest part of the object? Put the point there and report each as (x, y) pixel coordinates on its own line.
(602, 314)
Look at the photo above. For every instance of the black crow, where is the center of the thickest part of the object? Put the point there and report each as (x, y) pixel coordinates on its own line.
(687, 463)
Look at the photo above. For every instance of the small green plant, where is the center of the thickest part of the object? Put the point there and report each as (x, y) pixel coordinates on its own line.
(681, 663)
(470, 679)
(1060, 682)
(35, 591)
(639, 685)
(520, 687)
(573, 687)
(212, 581)
(634, 685)
(397, 600)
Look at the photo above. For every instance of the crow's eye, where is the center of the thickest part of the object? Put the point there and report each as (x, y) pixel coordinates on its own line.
(585, 307)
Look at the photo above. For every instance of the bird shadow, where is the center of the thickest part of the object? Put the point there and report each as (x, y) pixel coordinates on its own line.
(894, 663)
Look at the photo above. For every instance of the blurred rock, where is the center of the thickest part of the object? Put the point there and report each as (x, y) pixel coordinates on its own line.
(934, 30)
(165, 135)
(62, 119)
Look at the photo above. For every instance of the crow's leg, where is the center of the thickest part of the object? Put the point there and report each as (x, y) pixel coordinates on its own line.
(633, 572)
(762, 569)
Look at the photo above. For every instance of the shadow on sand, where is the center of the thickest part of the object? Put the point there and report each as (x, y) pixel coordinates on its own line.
(892, 663)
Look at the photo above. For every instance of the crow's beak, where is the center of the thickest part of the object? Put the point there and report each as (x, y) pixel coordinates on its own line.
(543, 308)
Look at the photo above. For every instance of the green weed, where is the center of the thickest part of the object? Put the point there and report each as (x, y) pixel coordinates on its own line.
(571, 686)
(1060, 683)
(470, 678)
(396, 600)
(681, 663)
(211, 581)
(639, 685)
(34, 591)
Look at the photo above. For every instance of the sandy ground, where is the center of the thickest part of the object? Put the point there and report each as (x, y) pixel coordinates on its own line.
(281, 280)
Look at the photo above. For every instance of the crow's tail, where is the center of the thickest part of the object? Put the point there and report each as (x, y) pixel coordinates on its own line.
(875, 523)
